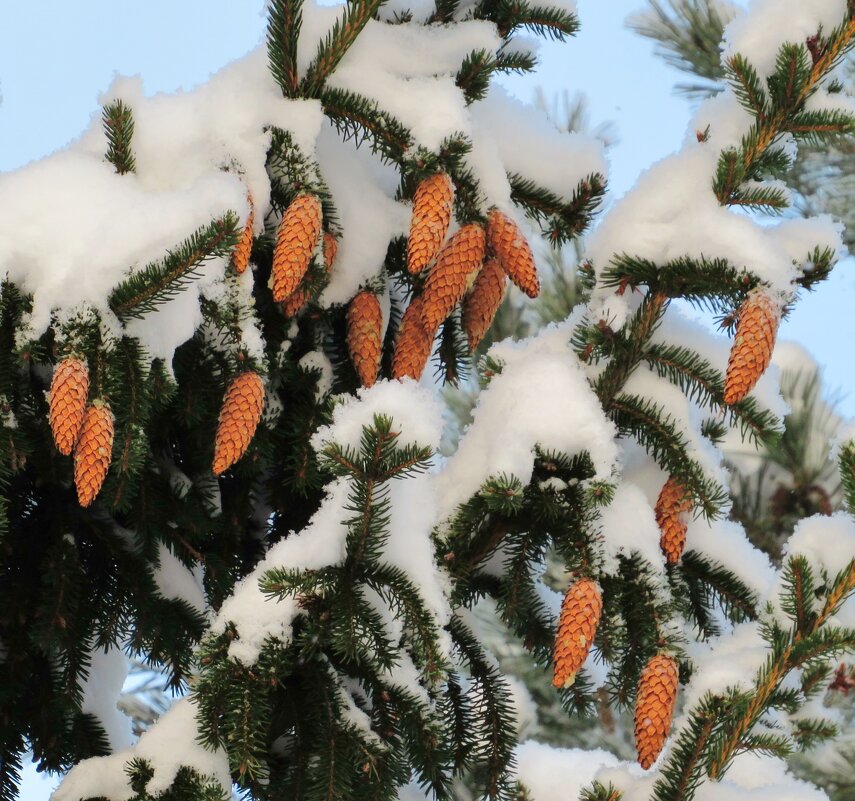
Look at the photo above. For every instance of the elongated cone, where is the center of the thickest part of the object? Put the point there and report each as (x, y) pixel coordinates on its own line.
(241, 253)
(482, 303)
(93, 452)
(413, 345)
(751, 352)
(298, 299)
(296, 240)
(654, 707)
(69, 389)
(507, 241)
(671, 506)
(365, 336)
(448, 279)
(580, 616)
(239, 416)
(432, 203)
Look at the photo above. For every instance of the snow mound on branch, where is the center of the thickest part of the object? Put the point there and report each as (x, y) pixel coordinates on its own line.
(559, 773)
(759, 33)
(628, 527)
(541, 398)
(176, 581)
(101, 690)
(171, 743)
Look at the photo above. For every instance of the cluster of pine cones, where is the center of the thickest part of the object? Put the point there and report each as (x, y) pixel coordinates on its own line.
(657, 688)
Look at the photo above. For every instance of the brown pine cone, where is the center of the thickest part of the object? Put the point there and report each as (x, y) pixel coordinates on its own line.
(296, 302)
(241, 253)
(413, 344)
(93, 452)
(365, 336)
(330, 248)
(482, 303)
(448, 279)
(671, 506)
(751, 352)
(432, 204)
(508, 242)
(296, 240)
(654, 707)
(239, 416)
(69, 391)
(577, 626)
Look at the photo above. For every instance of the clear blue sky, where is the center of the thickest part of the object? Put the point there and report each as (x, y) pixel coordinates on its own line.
(56, 57)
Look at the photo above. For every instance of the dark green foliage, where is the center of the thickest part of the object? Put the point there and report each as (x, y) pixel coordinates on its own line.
(283, 34)
(119, 127)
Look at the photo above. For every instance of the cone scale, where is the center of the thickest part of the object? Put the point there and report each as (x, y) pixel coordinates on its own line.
(239, 417)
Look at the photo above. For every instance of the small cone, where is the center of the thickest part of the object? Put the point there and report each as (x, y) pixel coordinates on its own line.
(297, 300)
(413, 345)
(752, 347)
(507, 241)
(483, 301)
(241, 253)
(450, 277)
(69, 389)
(580, 616)
(671, 506)
(654, 707)
(296, 240)
(93, 452)
(239, 416)
(432, 204)
(365, 336)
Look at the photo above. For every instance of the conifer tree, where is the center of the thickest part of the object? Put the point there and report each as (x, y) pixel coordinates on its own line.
(253, 500)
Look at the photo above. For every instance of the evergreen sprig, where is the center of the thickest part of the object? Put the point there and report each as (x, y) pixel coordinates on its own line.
(284, 24)
(119, 127)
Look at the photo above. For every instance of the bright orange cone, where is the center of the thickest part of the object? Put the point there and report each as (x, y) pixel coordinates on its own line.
(654, 707)
(241, 253)
(432, 204)
(482, 303)
(751, 352)
(671, 506)
(239, 417)
(93, 452)
(577, 626)
(507, 241)
(296, 240)
(365, 336)
(297, 300)
(69, 390)
(413, 345)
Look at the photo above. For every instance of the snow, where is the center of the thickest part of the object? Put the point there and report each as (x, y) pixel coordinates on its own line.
(175, 581)
(628, 526)
(553, 774)
(101, 690)
(526, 405)
(172, 742)
(768, 24)
(826, 542)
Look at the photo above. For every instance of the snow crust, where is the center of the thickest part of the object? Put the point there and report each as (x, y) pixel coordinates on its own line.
(175, 581)
(101, 690)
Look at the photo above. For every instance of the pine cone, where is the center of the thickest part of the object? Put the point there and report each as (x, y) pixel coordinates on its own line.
(482, 303)
(672, 504)
(580, 616)
(753, 344)
(654, 707)
(449, 278)
(69, 390)
(508, 242)
(93, 452)
(432, 204)
(297, 300)
(365, 336)
(296, 240)
(241, 253)
(239, 416)
(413, 345)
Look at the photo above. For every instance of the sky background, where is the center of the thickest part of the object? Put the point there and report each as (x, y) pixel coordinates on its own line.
(57, 57)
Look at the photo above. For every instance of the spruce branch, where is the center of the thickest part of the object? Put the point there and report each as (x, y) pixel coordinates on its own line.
(119, 127)
(283, 33)
(158, 281)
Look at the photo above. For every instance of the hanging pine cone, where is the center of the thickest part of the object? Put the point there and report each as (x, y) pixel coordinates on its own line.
(482, 303)
(69, 390)
(241, 253)
(93, 452)
(297, 300)
(654, 707)
(671, 506)
(580, 616)
(239, 416)
(508, 242)
(450, 277)
(413, 345)
(432, 204)
(751, 352)
(296, 240)
(365, 336)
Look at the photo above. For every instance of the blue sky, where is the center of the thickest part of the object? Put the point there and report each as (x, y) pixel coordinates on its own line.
(56, 57)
